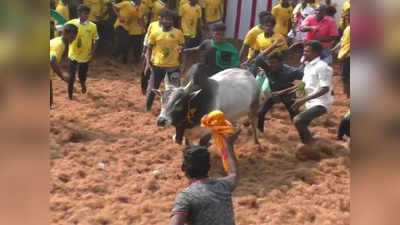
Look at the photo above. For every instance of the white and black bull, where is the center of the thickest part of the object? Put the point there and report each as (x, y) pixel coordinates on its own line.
(233, 91)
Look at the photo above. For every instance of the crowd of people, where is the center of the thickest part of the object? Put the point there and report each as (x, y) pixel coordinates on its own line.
(162, 38)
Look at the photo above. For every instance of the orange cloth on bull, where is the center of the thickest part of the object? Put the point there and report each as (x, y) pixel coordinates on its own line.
(215, 121)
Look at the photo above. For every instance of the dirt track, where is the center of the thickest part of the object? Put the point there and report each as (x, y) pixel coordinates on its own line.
(108, 126)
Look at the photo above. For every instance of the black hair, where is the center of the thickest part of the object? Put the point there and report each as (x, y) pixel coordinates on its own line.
(53, 4)
(167, 13)
(70, 29)
(196, 162)
(218, 27)
(276, 55)
(269, 19)
(263, 14)
(315, 46)
(331, 11)
(83, 8)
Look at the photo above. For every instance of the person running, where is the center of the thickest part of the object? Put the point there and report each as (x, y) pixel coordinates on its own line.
(82, 50)
(318, 85)
(153, 27)
(219, 54)
(283, 14)
(57, 48)
(267, 38)
(164, 55)
(250, 40)
(190, 14)
(213, 11)
(129, 29)
(343, 49)
(280, 78)
(323, 28)
(206, 201)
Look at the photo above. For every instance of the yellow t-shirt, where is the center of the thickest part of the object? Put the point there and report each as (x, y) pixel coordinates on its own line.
(131, 14)
(251, 38)
(153, 27)
(166, 47)
(190, 16)
(181, 3)
(262, 42)
(282, 16)
(156, 10)
(97, 8)
(213, 10)
(81, 48)
(57, 48)
(346, 6)
(344, 43)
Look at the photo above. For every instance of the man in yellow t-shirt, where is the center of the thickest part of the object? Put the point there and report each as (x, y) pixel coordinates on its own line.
(130, 28)
(283, 15)
(82, 49)
(157, 7)
(251, 36)
(266, 39)
(165, 46)
(213, 11)
(57, 48)
(343, 49)
(190, 17)
(99, 14)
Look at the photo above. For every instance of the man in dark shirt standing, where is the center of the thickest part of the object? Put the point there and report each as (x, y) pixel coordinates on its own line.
(206, 201)
(281, 78)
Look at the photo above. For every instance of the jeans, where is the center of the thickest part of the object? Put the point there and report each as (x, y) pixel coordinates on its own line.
(302, 120)
(173, 78)
(125, 42)
(82, 73)
(344, 128)
(288, 101)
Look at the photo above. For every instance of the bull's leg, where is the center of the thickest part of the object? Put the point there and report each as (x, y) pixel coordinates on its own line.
(205, 140)
(253, 121)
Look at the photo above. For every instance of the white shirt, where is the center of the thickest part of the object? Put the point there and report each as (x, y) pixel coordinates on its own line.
(318, 74)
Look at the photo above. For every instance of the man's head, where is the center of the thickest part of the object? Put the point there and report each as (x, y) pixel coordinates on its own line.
(218, 32)
(83, 12)
(285, 3)
(194, 2)
(69, 33)
(312, 49)
(269, 24)
(275, 61)
(262, 15)
(53, 4)
(167, 17)
(346, 16)
(196, 162)
(321, 11)
(137, 2)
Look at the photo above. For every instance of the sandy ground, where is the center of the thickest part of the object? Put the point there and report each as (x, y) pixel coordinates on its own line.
(104, 148)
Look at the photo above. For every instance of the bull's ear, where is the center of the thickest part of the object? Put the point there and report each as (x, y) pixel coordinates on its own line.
(194, 94)
(156, 91)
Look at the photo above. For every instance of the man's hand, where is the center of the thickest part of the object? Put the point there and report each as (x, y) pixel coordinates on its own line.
(245, 64)
(298, 103)
(230, 139)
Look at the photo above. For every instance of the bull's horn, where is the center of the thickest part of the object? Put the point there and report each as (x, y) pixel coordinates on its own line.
(188, 87)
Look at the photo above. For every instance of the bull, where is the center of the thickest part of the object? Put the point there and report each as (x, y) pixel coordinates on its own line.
(233, 91)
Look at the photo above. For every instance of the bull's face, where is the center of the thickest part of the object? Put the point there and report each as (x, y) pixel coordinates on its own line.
(175, 105)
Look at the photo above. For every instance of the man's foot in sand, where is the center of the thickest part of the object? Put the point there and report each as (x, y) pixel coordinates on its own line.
(306, 152)
(83, 88)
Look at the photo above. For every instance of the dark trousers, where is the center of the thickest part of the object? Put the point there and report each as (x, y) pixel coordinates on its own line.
(125, 42)
(344, 128)
(82, 73)
(155, 81)
(302, 120)
(51, 93)
(288, 101)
